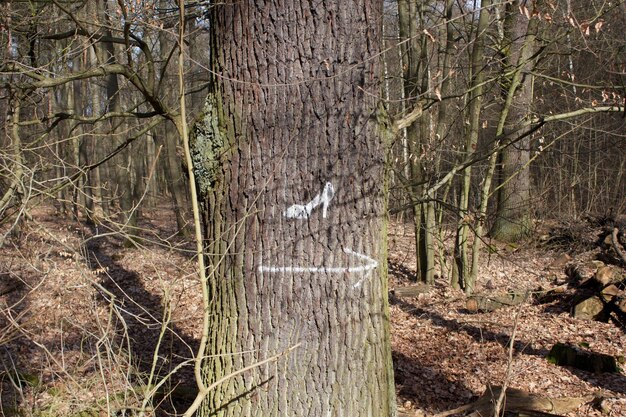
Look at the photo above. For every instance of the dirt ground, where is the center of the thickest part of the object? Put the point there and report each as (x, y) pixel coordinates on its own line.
(81, 317)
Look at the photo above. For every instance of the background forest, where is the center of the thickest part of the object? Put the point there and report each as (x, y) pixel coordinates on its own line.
(507, 148)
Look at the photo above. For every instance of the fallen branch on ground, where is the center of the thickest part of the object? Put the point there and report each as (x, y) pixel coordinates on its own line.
(519, 401)
(486, 303)
(616, 245)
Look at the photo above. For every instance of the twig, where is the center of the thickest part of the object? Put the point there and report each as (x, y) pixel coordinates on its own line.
(200, 397)
(509, 366)
(181, 125)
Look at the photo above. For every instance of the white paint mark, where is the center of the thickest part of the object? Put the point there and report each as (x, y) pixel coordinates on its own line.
(303, 211)
(369, 265)
(371, 262)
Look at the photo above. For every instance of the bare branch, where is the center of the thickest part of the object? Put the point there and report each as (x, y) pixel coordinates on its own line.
(410, 118)
(579, 112)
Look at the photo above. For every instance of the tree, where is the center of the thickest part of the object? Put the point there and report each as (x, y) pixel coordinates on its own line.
(289, 161)
(513, 215)
(466, 279)
(580, 166)
(416, 84)
(93, 81)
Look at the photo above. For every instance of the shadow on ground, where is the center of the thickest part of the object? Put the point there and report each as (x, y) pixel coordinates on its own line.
(426, 385)
(401, 272)
(143, 313)
(410, 382)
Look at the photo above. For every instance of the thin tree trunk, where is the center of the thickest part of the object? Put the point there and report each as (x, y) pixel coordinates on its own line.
(151, 181)
(169, 138)
(15, 191)
(60, 148)
(122, 170)
(433, 217)
(415, 78)
(465, 280)
(94, 149)
(78, 202)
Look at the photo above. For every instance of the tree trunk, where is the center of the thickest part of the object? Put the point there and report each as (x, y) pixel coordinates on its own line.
(94, 150)
(74, 102)
(16, 191)
(513, 214)
(169, 138)
(290, 164)
(415, 80)
(175, 179)
(60, 103)
(466, 280)
(444, 125)
(123, 168)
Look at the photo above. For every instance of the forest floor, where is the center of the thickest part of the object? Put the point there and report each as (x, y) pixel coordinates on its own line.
(80, 317)
(446, 356)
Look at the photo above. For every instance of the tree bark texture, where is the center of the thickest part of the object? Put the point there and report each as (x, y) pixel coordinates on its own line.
(290, 162)
(513, 214)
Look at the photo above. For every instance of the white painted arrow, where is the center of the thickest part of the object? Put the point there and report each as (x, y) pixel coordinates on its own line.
(303, 211)
(367, 266)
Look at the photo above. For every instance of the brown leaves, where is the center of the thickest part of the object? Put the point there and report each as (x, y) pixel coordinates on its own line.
(443, 355)
(586, 26)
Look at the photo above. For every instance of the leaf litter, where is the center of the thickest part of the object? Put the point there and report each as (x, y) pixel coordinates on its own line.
(88, 314)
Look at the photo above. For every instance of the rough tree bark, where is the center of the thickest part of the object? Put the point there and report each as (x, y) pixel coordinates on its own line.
(290, 163)
(513, 214)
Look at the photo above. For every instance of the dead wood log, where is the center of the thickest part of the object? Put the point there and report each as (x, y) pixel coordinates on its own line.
(617, 247)
(485, 303)
(567, 355)
(548, 296)
(521, 402)
(410, 291)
